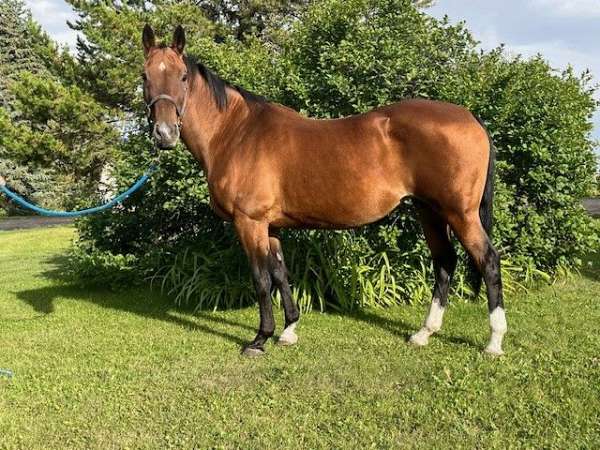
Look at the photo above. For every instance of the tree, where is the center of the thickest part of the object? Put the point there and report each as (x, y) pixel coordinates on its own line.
(18, 46)
(248, 17)
(424, 3)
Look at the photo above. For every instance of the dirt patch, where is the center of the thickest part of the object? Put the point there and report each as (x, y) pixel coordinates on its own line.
(19, 223)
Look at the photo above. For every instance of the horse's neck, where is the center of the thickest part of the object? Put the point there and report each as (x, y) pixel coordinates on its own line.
(204, 125)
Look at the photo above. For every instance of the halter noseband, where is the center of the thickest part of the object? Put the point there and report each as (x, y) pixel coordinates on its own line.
(180, 110)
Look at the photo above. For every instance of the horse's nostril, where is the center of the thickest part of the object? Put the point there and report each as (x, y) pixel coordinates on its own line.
(164, 132)
(165, 135)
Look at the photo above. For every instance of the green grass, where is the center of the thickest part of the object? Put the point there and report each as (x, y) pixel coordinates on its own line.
(102, 369)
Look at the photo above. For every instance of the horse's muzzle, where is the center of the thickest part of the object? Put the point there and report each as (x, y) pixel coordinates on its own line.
(165, 136)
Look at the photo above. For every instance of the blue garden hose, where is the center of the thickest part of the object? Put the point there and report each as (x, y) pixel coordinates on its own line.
(84, 212)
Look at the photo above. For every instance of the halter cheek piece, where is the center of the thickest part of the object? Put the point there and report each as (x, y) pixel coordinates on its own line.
(180, 110)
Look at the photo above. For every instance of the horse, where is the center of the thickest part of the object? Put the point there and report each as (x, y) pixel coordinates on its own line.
(269, 168)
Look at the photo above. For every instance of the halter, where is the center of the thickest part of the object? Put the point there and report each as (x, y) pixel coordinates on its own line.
(180, 110)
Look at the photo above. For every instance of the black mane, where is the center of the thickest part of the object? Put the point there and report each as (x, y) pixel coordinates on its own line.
(217, 85)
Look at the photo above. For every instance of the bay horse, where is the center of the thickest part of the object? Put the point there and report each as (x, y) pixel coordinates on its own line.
(268, 168)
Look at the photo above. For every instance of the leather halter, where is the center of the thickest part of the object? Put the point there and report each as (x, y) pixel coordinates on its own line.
(180, 110)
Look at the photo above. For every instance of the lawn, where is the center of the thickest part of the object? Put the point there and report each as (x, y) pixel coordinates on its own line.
(104, 369)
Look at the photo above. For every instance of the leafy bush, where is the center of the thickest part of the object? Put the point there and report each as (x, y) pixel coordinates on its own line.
(345, 57)
(103, 268)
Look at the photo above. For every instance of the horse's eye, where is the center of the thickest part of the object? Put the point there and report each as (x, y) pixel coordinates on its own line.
(184, 77)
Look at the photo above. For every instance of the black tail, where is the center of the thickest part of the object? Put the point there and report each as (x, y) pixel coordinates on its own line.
(486, 210)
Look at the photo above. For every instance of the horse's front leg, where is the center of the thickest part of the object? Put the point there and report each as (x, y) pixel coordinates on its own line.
(254, 236)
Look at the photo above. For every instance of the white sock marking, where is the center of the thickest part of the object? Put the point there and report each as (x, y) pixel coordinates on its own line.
(433, 323)
(498, 327)
(289, 334)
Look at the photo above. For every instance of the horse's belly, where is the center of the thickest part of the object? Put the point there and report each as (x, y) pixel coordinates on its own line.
(351, 208)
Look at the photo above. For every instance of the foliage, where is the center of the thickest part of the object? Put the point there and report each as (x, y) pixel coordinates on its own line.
(34, 185)
(19, 45)
(20, 41)
(102, 268)
(79, 133)
(339, 58)
(118, 39)
(247, 17)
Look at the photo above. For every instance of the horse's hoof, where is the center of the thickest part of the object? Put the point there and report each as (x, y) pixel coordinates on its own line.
(493, 351)
(419, 339)
(253, 352)
(289, 336)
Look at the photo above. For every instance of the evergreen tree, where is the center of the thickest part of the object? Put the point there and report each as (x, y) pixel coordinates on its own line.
(18, 43)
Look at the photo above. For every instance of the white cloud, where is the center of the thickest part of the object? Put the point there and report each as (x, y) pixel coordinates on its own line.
(560, 55)
(569, 8)
(52, 15)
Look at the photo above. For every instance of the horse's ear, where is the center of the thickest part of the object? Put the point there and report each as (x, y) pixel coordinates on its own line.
(178, 40)
(148, 39)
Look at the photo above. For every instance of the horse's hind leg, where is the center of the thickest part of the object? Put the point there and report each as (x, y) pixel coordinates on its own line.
(444, 263)
(280, 279)
(469, 231)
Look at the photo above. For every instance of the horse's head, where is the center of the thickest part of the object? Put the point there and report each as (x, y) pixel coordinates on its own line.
(165, 86)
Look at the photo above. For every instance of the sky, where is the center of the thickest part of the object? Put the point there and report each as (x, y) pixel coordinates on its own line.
(564, 31)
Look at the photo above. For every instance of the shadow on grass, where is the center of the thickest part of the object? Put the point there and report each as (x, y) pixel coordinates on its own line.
(151, 305)
(403, 329)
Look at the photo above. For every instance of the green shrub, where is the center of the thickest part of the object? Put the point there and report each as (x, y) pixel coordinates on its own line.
(344, 57)
(103, 268)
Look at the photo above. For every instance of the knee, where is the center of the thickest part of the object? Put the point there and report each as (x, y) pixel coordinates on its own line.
(277, 268)
(262, 280)
(279, 274)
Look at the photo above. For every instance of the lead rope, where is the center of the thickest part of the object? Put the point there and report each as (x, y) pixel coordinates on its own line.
(83, 212)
